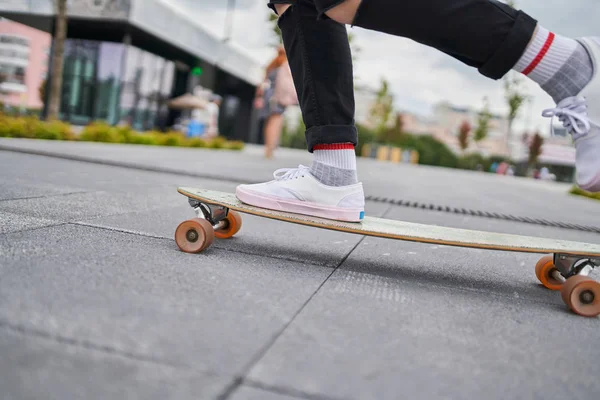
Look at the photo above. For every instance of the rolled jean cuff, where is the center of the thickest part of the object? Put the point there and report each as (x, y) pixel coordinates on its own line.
(331, 134)
(511, 50)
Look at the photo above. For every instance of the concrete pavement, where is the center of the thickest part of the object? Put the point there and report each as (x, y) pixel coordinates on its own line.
(96, 301)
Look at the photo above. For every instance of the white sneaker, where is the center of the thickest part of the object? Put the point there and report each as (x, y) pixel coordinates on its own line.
(581, 116)
(295, 190)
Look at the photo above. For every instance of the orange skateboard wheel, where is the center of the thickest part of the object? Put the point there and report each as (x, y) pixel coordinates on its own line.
(544, 270)
(194, 235)
(582, 295)
(233, 224)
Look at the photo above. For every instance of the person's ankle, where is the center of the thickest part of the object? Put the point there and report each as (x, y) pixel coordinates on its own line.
(338, 155)
(332, 176)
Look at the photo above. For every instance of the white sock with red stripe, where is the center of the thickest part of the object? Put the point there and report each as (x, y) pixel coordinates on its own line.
(334, 164)
(560, 65)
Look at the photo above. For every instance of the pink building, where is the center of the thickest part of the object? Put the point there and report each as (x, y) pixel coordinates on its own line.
(24, 56)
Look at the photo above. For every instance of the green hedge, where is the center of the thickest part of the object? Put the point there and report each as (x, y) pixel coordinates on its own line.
(33, 128)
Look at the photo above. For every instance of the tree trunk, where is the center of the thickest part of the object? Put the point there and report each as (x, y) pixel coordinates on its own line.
(60, 35)
(509, 138)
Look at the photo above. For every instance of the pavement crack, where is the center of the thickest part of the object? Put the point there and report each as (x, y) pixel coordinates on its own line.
(120, 230)
(288, 391)
(83, 344)
(261, 353)
(35, 228)
(48, 195)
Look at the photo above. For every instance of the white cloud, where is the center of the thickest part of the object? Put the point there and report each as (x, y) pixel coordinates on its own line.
(419, 76)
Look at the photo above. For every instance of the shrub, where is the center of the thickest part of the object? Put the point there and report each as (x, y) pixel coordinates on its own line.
(295, 139)
(235, 145)
(142, 138)
(197, 142)
(126, 134)
(170, 139)
(31, 127)
(471, 161)
(100, 132)
(431, 151)
(54, 130)
(217, 143)
(365, 136)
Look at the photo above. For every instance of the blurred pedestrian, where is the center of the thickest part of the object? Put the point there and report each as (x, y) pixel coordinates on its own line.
(212, 109)
(276, 93)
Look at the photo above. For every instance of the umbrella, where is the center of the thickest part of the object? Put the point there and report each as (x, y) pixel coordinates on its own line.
(187, 101)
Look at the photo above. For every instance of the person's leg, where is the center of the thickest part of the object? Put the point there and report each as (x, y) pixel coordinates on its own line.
(495, 38)
(321, 63)
(272, 131)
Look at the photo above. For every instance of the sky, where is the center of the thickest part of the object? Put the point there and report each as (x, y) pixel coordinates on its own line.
(419, 76)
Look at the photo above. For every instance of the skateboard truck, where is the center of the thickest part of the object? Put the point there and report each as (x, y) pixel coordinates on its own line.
(569, 265)
(213, 221)
(216, 215)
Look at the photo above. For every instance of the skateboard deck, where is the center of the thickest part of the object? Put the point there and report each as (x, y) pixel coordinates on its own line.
(407, 231)
(218, 214)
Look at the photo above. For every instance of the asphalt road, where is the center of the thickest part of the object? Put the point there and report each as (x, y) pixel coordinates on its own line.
(97, 302)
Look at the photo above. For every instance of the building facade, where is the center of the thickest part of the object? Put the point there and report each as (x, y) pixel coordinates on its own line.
(115, 83)
(24, 53)
(124, 59)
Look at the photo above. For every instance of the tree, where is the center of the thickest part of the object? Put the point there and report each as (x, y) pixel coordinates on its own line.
(535, 149)
(381, 111)
(42, 90)
(58, 53)
(393, 134)
(514, 99)
(483, 123)
(463, 135)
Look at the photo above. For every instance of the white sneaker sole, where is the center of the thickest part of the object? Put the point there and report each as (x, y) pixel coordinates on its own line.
(299, 207)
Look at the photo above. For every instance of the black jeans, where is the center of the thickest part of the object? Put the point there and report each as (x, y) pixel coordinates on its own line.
(484, 34)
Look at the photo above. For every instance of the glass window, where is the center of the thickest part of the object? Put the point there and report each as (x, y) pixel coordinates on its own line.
(108, 88)
(12, 74)
(148, 80)
(81, 59)
(14, 40)
(9, 53)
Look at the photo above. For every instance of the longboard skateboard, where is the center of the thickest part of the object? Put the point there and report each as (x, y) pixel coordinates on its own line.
(564, 268)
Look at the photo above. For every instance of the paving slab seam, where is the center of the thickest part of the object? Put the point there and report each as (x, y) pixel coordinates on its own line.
(122, 164)
(87, 345)
(50, 195)
(120, 230)
(214, 246)
(289, 391)
(261, 353)
(34, 228)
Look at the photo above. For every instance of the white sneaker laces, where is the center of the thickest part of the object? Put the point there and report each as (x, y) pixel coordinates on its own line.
(572, 112)
(284, 174)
